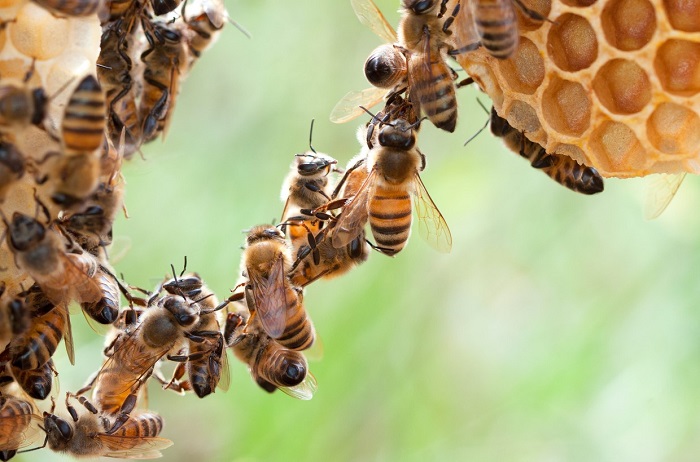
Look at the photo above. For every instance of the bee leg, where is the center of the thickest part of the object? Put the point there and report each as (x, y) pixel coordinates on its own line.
(127, 406)
(82, 400)
(532, 14)
(174, 383)
(88, 386)
(448, 22)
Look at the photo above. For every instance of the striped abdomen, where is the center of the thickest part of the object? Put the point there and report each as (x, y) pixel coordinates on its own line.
(390, 218)
(37, 383)
(84, 120)
(298, 332)
(436, 91)
(37, 345)
(70, 7)
(119, 8)
(113, 386)
(280, 367)
(577, 177)
(497, 26)
(15, 417)
(106, 309)
(146, 425)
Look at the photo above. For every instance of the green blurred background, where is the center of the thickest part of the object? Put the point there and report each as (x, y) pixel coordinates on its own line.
(560, 328)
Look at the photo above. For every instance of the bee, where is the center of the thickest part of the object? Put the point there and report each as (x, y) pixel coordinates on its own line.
(76, 8)
(561, 168)
(94, 434)
(114, 67)
(206, 363)
(423, 34)
(161, 328)
(106, 309)
(77, 177)
(271, 365)
(12, 167)
(384, 198)
(164, 63)
(385, 68)
(21, 106)
(48, 323)
(16, 418)
(37, 383)
(270, 295)
(204, 27)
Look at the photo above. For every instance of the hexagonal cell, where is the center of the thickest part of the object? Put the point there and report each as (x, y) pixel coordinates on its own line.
(622, 86)
(38, 34)
(574, 152)
(628, 24)
(17, 69)
(530, 20)
(616, 149)
(674, 129)
(677, 65)
(580, 3)
(523, 117)
(566, 107)
(572, 43)
(524, 71)
(683, 14)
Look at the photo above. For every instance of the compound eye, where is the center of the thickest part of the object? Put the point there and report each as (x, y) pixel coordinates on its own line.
(422, 6)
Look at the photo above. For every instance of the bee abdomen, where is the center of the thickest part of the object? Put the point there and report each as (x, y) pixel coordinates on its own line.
(577, 177)
(440, 104)
(496, 25)
(39, 348)
(299, 332)
(70, 7)
(84, 119)
(390, 219)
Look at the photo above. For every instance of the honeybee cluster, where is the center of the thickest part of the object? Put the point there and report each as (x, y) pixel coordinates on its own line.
(83, 84)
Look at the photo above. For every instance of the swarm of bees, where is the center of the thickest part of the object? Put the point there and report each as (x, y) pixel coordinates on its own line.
(64, 133)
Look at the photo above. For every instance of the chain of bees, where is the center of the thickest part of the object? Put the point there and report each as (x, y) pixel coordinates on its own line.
(57, 253)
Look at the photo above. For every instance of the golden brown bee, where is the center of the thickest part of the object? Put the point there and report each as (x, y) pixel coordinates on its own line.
(34, 347)
(204, 26)
(423, 34)
(12, 167)
(164, 63)
(271, 365)
(386, 68)
(385, 197)
(83, 123)
(114, 67)
(70, 8)
(206, 362)
(561, 168)
(21, 106)
(271, 297)
(106, 309)
(97, 434)
(161, 328)
(76, 177)
(16, 418)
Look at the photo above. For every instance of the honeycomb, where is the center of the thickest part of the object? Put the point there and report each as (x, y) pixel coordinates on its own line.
(614, 84)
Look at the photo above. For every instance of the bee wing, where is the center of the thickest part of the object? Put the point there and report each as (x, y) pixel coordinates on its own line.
(431, 224)
(270, 297)
(118, 249)
(81, 270)
(661, 189)
(133, 447)
(225, 377)
(305, 390)
(68, 336)
(370, 16)
(354, 216)
(464, 37)
(348, 108)
(174, 90)
(24, 438)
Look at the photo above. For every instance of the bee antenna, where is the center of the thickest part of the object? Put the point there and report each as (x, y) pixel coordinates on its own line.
(416, 124)
(43, 207)
(174, 274)
(311, 133)
(483, 107)
(239, 27)
(368, 112)
(63, 87)
(488, 119)
(104, 67)
(184, 267)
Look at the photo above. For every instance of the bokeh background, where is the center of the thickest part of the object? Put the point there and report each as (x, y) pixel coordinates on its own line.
(559, 328)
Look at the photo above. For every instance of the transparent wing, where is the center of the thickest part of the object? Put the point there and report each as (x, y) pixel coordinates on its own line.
(119, 248)
(68, 336)
(660, 191)
(464, 37)
(431, 224)
(369, 15)
(133, 447)
(305, 390)
(25, 431)
(348, 108)
(270, 298)
(225, 377)
(354, 216)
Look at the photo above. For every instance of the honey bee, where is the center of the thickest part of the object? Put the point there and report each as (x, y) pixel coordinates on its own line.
(161, 328)
(424, 36)
(16, 418)
(12, 167)
(561, 168)
(114, 72)
(206, 363)
(386, 67)
(37, 383)
(72, 8)
(94, 434)
(204, 26)
(271, 365)
(21, 106)
(385, 196)
(77, 177)
(48, 323)
(106, 309)
(164, 63)
(270, 295)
